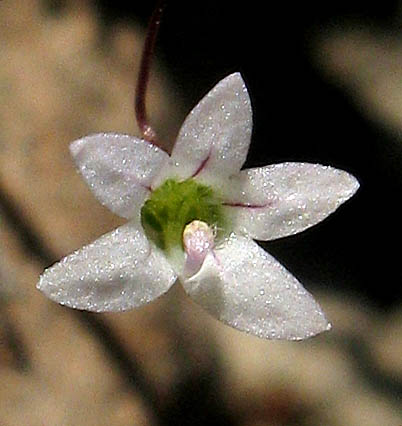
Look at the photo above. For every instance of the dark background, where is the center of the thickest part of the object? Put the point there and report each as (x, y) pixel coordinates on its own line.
(298, 116)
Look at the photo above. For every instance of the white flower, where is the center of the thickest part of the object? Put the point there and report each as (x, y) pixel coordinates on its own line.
(192, 216)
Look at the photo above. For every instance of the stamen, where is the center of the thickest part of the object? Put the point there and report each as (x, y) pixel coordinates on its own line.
(198, 241)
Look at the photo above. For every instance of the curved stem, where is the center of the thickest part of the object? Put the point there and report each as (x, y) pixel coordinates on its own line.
(140, 110)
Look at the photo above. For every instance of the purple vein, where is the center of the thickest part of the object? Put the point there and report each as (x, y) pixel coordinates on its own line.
(247, 205)
(137, 181)
(203, 163)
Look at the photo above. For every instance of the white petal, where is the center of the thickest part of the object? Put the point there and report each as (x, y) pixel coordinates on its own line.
(119, 271)
(284, 199)
(119, 169)
(215, 136)
(246, 288)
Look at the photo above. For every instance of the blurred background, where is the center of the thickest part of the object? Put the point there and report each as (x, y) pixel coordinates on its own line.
(325, 79)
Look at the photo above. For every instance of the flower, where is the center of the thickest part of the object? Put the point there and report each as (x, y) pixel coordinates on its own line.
(193, 216)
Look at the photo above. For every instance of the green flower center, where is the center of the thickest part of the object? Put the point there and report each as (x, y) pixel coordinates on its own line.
(175, 204)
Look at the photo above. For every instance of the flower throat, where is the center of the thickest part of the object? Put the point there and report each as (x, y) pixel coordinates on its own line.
(175, 204)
